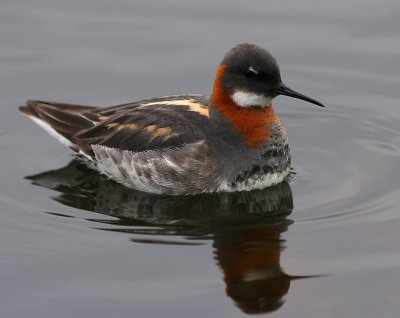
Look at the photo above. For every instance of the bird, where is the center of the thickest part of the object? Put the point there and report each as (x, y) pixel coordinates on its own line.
(186, 144)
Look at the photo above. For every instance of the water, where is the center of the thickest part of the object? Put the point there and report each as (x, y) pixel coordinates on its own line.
(325, 245)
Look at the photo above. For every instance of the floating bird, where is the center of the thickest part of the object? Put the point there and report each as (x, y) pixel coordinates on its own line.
(186, 144)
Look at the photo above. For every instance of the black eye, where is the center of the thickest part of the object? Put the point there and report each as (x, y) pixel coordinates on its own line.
(250, 73)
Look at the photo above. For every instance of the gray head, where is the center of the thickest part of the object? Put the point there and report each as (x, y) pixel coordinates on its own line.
(251, 77)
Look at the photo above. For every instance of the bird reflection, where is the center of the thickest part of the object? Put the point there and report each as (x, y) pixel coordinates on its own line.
(245, 227)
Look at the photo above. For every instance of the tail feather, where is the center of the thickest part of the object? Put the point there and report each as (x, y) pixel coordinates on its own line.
(62, 106)
(60, 120)
(72, 119)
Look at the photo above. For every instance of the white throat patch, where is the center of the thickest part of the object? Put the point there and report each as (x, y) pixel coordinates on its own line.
(247, 99)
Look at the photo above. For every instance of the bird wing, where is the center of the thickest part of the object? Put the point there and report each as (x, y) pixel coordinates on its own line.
(147, 125)
(139, 126)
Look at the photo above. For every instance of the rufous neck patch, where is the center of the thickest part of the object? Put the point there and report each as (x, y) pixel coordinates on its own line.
(253, 123)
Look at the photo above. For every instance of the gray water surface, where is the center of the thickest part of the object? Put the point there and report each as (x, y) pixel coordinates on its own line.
(326, 244)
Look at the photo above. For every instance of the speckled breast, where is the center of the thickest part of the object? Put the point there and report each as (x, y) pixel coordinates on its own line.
(267, 165)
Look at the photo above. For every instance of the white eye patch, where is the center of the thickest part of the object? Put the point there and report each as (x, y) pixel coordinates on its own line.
(247, 99)
(251, 69)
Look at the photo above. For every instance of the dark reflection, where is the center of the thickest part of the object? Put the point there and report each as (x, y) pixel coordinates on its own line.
(245, 227)
(250, 259)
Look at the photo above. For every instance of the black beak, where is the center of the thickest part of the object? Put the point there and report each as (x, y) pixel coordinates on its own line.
(284, 90)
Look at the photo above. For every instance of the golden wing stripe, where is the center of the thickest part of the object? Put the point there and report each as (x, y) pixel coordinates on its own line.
(191, 103)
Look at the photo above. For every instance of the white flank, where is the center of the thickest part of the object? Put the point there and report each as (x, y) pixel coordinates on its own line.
(255, 183)
(127, 167)
(246, 99)
(51, 131)
(141, 171)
